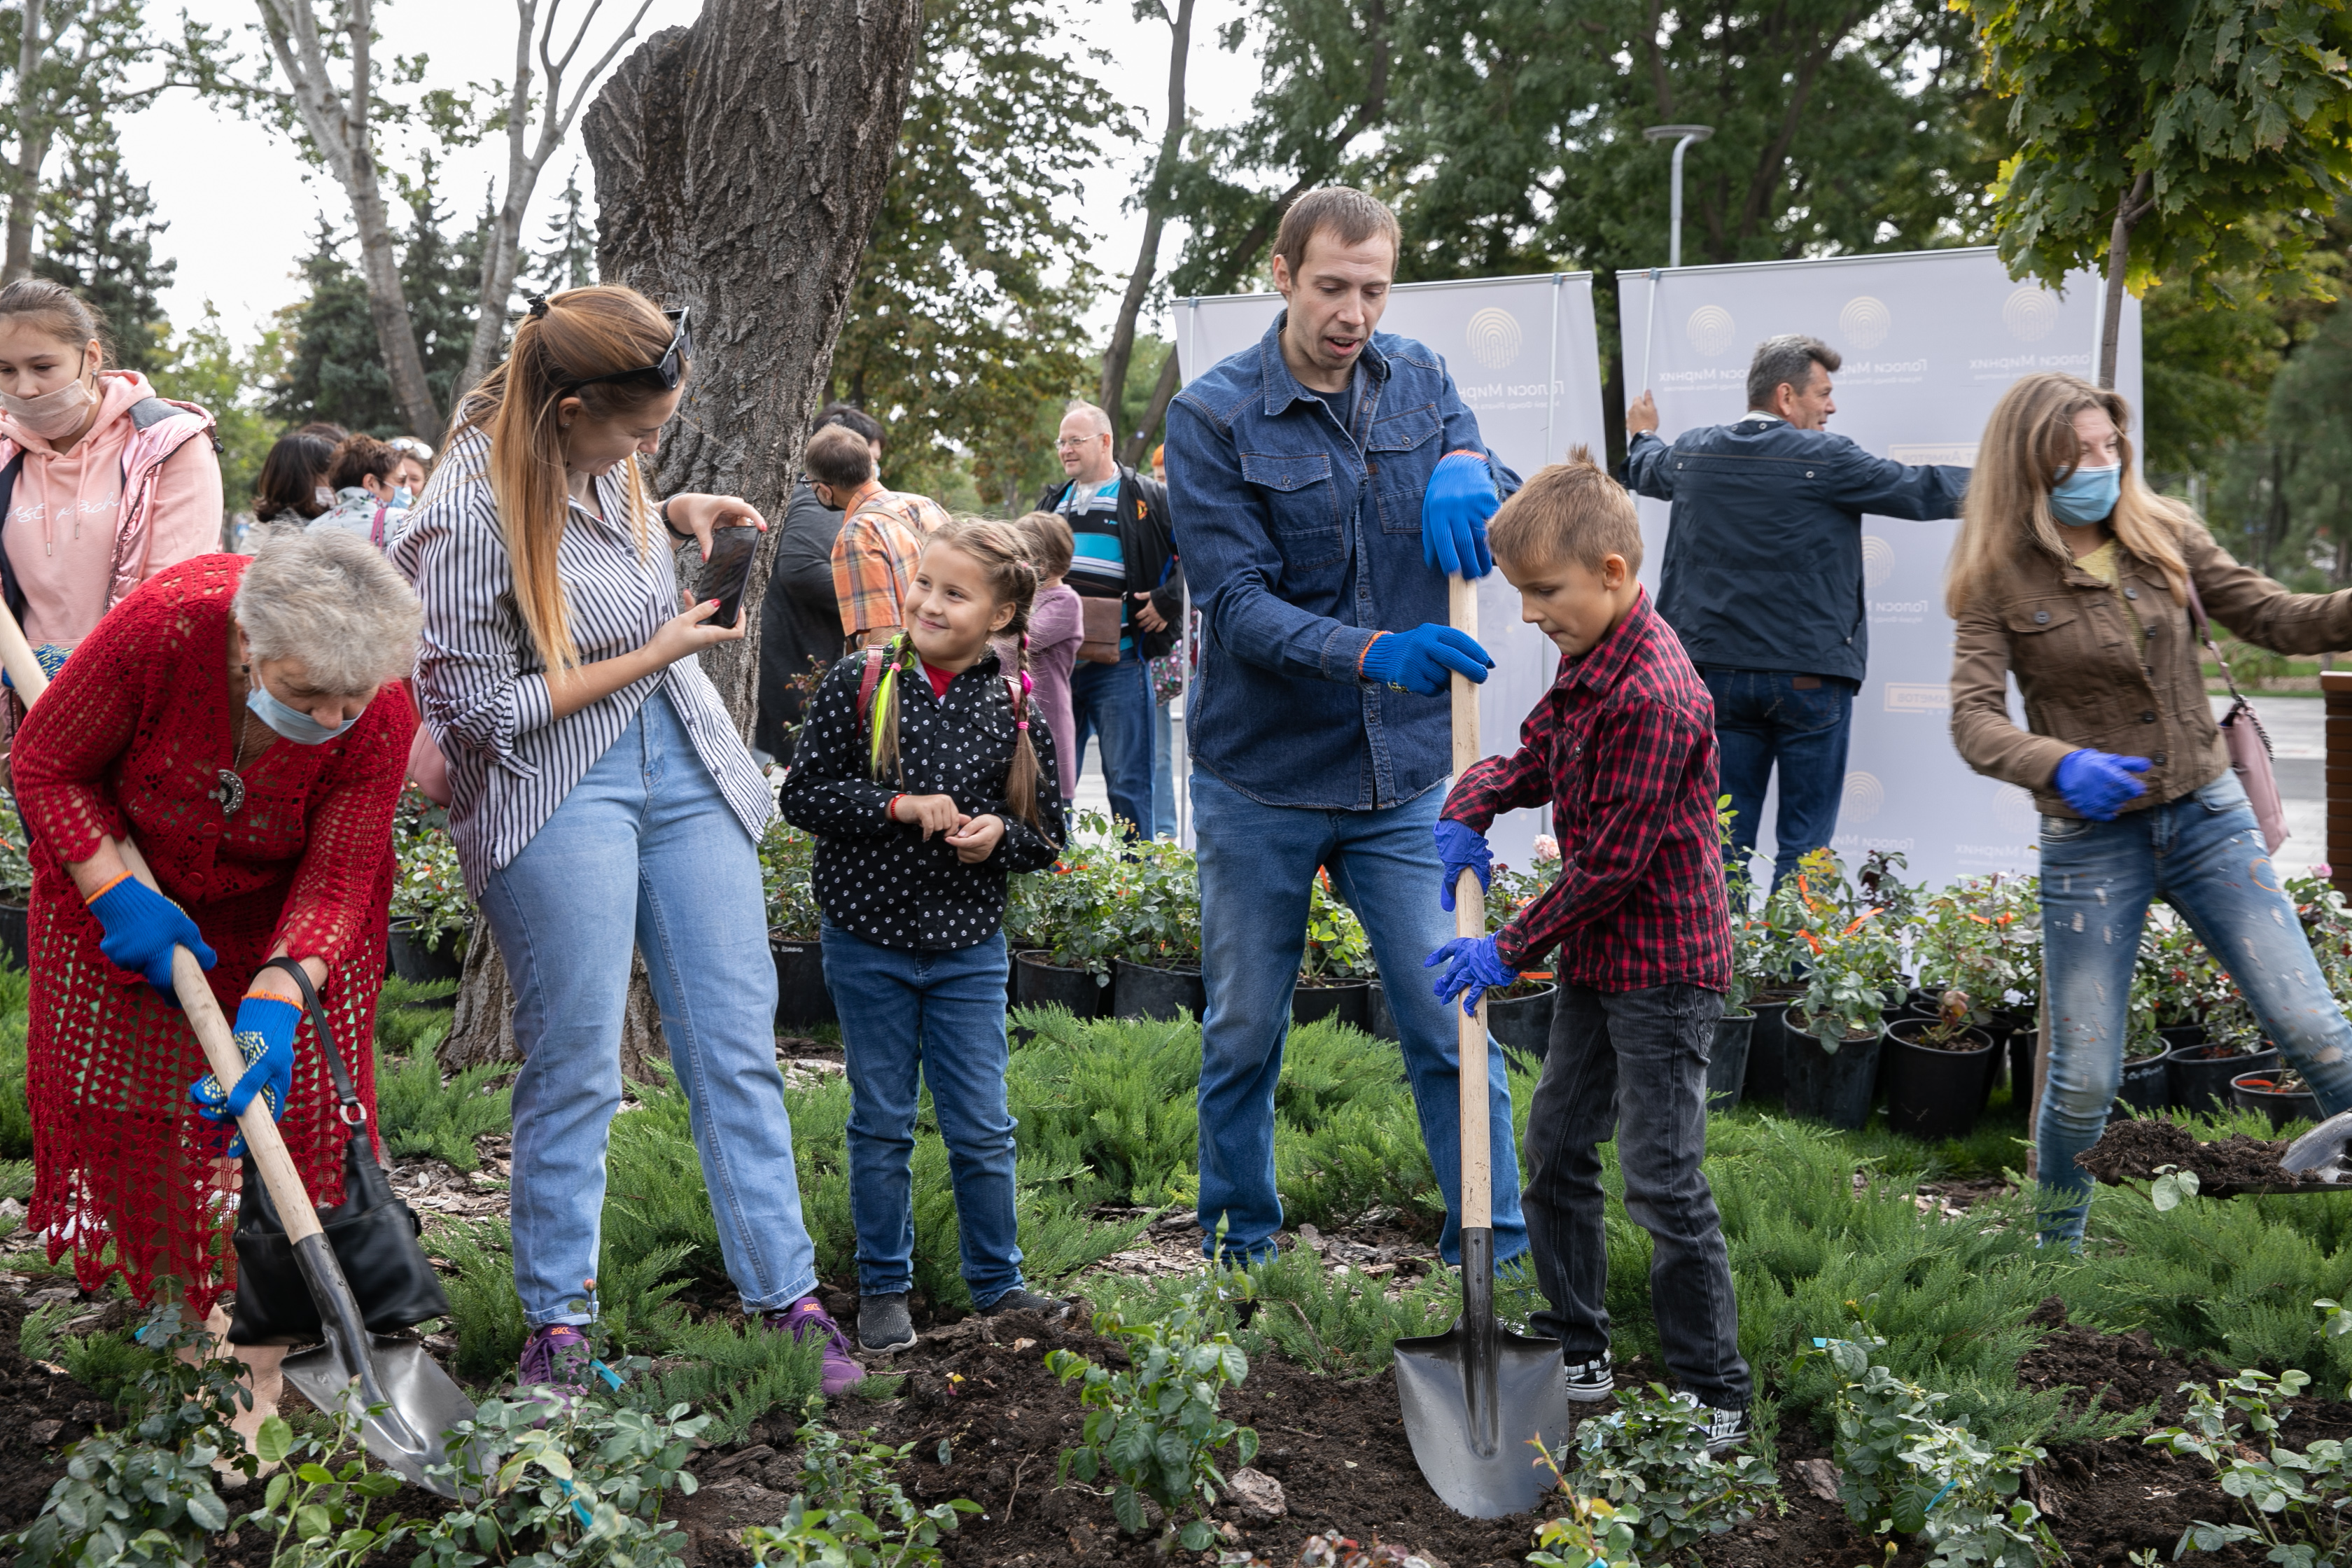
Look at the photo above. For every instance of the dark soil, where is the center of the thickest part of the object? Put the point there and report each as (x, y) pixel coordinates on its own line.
(40, 1411)
(2133, 1148)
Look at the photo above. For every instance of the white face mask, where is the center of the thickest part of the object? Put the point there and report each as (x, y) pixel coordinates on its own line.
(52, 414)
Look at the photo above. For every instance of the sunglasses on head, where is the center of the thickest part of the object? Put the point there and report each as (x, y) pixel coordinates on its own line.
(670, 369)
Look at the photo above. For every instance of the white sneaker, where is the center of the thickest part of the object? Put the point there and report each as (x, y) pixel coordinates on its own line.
(1589, 1382)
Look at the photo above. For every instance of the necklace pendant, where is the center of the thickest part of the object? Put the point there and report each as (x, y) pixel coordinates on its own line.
(231, 793)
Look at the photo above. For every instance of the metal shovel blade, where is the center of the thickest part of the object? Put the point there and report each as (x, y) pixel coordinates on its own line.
(405, 1404)
(2321, 1152)
(1477, 1400)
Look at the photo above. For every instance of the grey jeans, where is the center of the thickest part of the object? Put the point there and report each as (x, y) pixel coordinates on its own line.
(1633, 1064)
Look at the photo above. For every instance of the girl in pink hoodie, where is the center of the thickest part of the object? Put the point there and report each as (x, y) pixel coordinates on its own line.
(102, 483)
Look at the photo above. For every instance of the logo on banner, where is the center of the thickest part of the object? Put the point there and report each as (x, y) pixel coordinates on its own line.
(1877, 561)
(2015, 811)
(1710, 329)
(2029, 314)
(1863, 798)
(1864, 322)
(1493, 337)
(1919, 697)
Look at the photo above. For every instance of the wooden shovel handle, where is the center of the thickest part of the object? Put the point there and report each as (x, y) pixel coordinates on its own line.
(1470, 920)
(195, 992)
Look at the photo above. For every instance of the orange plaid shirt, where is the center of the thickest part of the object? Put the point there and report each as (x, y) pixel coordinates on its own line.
(874, 560)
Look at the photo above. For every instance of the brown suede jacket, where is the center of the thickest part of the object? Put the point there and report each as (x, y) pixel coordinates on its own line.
(2091, 678)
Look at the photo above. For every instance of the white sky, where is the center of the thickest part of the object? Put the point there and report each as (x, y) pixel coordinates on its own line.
(242, 207)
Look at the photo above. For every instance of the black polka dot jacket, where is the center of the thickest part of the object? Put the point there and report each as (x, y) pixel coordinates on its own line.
(882, 880)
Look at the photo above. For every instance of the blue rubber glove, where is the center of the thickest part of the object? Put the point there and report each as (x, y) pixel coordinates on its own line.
(2099, 783)
(142, 928)
(1419, 661)
(1478, 969)
(265, 1038)
(48, 656)
(1453, 513)
(1460, 850)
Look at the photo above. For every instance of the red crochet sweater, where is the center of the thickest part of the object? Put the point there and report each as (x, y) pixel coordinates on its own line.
(131, 735)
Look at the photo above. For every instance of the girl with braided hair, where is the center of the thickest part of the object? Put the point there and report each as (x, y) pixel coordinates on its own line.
(927, 775)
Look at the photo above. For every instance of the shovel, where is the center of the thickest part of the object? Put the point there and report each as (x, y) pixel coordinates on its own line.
(405, 1404)
(1478, 1401)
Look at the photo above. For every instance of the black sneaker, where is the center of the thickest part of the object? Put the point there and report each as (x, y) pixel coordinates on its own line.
(1589, 1382)
(884, 1324)
(1726, 1429)
(1020, 1300)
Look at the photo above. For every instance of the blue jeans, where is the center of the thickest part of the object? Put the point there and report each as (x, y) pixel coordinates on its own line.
(643, 852)
(1163, 773)
(2203, 855)
(1763, 716)
(1632, 1064)
(938, 1016)
(1112, 702)
(1257, 865)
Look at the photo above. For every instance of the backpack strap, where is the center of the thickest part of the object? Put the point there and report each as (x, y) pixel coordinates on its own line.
(867, 682)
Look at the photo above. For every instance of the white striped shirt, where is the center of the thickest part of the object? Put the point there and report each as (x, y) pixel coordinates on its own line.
(482, 687)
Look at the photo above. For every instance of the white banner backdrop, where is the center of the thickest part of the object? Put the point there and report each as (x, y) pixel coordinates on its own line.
(1931, 340)
(1527, 360)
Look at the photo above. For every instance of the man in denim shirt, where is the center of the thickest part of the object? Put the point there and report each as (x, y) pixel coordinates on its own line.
(1324, 484)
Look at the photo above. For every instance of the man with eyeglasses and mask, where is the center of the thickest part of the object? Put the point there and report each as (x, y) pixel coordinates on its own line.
(1122, 554)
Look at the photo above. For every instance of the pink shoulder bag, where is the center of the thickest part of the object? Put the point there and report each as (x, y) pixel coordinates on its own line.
(2249, 748)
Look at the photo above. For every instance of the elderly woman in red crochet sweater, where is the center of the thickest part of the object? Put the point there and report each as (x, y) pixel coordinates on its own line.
(241, 721)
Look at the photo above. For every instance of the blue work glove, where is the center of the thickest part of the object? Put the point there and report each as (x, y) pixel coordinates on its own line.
(2100, 783)
(265, 1038)
(1453, 513)
(142, 927)
(48, 656)
(1478, 969)
(1460, 850)
(1419, 661)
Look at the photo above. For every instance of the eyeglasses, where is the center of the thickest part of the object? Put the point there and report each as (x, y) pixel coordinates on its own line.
(1073, 443)
(670, 368)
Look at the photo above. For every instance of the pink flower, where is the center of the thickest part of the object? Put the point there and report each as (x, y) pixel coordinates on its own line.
(1548, 848)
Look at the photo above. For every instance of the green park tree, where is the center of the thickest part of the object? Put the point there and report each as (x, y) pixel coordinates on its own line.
(201, 365)
(2205, 141)
(99, 239)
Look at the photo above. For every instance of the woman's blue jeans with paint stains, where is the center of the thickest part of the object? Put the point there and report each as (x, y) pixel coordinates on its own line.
(2203, 855)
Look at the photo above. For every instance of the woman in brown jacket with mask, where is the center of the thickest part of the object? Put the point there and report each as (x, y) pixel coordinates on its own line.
(2073, 577)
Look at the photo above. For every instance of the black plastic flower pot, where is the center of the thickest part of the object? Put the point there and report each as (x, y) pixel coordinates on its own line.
(2179, 1037)
(1727, 1065)
(1342, 1001)
(1383, 1022)
(2257, 1091)
(2023, 1046)
(802, 999)
(14, 944)
(417, 963)
(1933, 1091)
(1139, 990)
(1768, 1051)
(1038, 983)
(1835, 1087)
(2200, 1081)
(1522, 1024)
(2146, 1084)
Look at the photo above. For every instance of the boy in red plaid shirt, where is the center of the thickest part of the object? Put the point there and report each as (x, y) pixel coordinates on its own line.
(1623, 748)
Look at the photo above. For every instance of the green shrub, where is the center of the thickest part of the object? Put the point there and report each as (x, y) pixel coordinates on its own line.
(428, 890)
(16, 1109)
(1649, 1458)
(786, 853)
(315, 1511)
(1335, 1321)
(852, 1510)
(1592, 1534)
(1155, 1426)
(2294, 1503)
(418, 1112)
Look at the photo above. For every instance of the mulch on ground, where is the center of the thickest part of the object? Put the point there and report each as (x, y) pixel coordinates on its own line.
(2134, 1148)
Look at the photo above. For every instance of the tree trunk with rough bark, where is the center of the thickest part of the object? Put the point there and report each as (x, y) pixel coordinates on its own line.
(1155, 210)
(482, 1032)
(740, 163)
(32, 144)
(2129, 210)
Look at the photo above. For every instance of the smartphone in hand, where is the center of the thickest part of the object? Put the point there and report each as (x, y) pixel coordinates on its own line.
(726, 571)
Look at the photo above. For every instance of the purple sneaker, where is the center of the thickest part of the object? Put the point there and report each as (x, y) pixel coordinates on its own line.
(807, 1317)
(557, 1356)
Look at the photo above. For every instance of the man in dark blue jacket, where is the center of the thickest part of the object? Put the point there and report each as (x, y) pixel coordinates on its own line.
(1762, 579)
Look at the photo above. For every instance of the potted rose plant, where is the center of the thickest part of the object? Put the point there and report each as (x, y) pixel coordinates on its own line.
(16, 885)
(786, 853)
(1155, 909)
(1936, 1071)
(1853, 975)
(432, 919)
(1335, 974)
(1520, 1014)
(1057, 924)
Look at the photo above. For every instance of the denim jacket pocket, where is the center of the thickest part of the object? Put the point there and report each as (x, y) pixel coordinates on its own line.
(1402, 451)
(1303, 502)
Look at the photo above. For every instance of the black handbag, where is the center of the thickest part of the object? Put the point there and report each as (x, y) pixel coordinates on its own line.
(374, 1234)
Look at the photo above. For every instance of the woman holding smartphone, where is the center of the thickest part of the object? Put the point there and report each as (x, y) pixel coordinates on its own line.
(601, 799)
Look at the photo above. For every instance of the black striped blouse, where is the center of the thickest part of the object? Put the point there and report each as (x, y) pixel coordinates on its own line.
(482, 687)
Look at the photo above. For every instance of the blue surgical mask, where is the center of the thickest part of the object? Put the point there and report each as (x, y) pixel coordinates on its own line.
(2087, 496)
(292, 722)
(403, 497)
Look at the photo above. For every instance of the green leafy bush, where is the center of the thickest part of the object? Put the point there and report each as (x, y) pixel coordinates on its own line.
(418, 1112)
(1905, 1471)
(1592, 1534)
(851, 1510)
(1648, 1458)
(428, 890)
(786, 853)
(16, 865)
(1852, 956)
(1063, 912)
(1155, 1426)
(318, 1515)
(2294, 1503)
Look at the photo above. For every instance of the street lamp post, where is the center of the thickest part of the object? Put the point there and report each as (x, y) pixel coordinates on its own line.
(1682, 136)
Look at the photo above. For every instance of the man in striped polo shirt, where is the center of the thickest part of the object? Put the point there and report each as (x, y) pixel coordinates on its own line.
(1121, 553)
